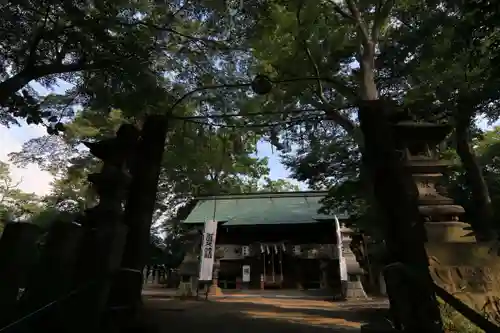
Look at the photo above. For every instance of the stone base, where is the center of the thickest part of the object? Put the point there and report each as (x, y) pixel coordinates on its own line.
(185, 289)
(214, 290)
(355, 290)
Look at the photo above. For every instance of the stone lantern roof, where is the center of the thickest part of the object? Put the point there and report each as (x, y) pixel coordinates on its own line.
(412, 131)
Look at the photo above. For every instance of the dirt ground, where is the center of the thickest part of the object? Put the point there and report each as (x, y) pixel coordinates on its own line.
(259, 315)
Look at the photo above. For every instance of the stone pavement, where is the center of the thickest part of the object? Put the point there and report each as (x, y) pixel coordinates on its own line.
(255, 314)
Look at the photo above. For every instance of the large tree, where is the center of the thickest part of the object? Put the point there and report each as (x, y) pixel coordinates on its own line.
(15, 204)
(418, 39)
(111, 53)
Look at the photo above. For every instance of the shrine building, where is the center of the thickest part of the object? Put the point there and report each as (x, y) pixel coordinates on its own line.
(275, 240)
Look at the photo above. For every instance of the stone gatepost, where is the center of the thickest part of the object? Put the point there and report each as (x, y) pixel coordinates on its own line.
(457, 262)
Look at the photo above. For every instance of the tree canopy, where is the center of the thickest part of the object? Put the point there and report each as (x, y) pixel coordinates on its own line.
(126, 59)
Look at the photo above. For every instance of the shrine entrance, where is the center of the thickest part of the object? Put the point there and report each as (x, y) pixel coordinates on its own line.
(272, 258)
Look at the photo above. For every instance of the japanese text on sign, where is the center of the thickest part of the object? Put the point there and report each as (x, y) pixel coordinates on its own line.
(208, 251)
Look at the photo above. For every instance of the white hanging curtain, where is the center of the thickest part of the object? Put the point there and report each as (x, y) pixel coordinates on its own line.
(342, 262)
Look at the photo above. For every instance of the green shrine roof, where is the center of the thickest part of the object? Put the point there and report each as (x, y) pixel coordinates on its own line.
(261, 208)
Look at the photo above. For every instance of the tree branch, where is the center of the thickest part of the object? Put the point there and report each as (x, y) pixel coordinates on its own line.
(204, 41)
(362, 27)
(15, 83)
(381, 15)
(331, 113)
(59, 68)
(341, 12)
(334, 115)
(31, 61)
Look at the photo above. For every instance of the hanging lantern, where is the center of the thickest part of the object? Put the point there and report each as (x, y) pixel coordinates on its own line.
(262, 85)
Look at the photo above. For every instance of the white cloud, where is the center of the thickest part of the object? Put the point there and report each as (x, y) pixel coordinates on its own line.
(31, 178)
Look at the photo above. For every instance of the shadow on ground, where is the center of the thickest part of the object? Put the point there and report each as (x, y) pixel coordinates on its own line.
(259, 315)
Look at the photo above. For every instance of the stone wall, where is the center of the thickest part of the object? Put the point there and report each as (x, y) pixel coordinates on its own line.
(468, 270)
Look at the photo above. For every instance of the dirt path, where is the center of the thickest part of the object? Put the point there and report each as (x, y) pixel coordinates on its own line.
(258, 315)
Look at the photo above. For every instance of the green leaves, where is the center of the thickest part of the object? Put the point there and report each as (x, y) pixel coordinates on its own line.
(16, 205)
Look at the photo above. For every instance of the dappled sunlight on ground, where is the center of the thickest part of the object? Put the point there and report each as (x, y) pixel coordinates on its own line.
(324, 312)
(284, 304)
(251, 314)
(302, 318)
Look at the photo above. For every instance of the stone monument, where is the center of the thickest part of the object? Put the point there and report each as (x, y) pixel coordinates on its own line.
(457, 262)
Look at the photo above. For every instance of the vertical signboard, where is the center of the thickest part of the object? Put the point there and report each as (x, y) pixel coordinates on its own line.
(245, 274)
(342, 261)
(208, 251)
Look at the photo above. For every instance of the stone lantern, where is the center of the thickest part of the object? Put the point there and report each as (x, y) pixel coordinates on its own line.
(418, 144)
(457, 262)
(190, 266)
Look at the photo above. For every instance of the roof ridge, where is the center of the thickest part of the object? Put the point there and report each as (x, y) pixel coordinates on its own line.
(264, 195)
(259, 208)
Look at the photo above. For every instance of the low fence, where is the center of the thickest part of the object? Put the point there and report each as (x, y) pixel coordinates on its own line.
(58, 280)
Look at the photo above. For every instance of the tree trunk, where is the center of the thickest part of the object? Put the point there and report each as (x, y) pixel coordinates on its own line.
(474, 176)
(140, 208)
(396, 196)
